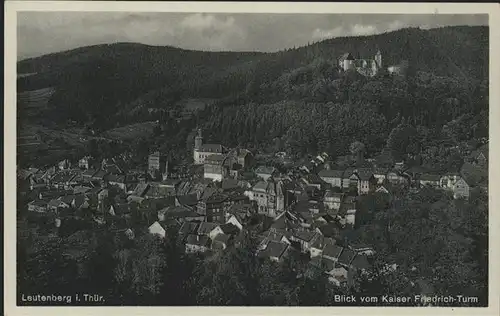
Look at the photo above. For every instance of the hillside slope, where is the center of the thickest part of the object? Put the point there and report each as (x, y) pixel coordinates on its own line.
(95, 83)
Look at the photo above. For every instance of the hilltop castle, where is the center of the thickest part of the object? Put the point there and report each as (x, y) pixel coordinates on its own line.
(366, 67)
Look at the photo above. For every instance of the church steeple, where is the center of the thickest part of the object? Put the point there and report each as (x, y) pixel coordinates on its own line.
(198, 140)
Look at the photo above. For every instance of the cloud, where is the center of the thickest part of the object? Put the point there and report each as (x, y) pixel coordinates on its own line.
(359, 29)
(319, 34)
(46, 32)
(210, 31)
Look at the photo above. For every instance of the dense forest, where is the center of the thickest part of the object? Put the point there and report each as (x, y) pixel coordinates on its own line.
(99, 85)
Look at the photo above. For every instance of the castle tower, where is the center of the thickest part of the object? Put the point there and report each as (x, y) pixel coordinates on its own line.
(378, 59)
(346, 61)
(198, 140)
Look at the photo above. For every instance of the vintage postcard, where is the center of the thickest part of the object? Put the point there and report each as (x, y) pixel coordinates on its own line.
(252, 158)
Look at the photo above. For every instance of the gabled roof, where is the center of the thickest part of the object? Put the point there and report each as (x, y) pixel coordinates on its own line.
(213, 148)
(100, 174)
(365, 174)
(331, 194)
(206, 227)
(42, 203)
(429, 177)
(346, 56)
(214, 159)
(331, 173)
(321, 242)
(229, 229)
(304, 235)
(260, 186)
(197, 240)
(275, 249)
(329, 230)
(189, 200)
(229, 184)
(332, 251)
(189, 228)
(361, 262)
(68, 199)
(347, 256)
(156, 227)
(265, 170)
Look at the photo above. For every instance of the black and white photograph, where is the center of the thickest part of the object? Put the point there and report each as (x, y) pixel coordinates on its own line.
(251, 159)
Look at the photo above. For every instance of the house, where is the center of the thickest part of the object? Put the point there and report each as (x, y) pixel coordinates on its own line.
(332, 252)
(431, 180)
(85, 162)
(157, 162)
(80, 201)
(348, 212)
(205, 228)
(480, 156)
(212, 205)
(265, 172)
(316, 249)
(118, 181)
(361, 264)
(366, 180)
(56, 204)
(225, 229)
(179, 214)
(312, 180)
(188, 228)
(332, 200)
(157, 229)
(362, 249)
(38, 206)
(448, 181)
(395, 177)
(338, 276)
(304, 238)
(461, 189)
(275, 250)
(276, 236)
(215, 167)
(244, 158)
(197, 243)
(346, 257)
(380, 174)
(81, 189)
(333, 177)
(220, 242)
(64, 164)
(270, 197)
(189, 200)
(88, 174)
(100, 176)
(141, 189)
(235, 219)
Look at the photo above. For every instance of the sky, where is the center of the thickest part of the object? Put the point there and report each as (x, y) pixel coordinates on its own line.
(40, 33)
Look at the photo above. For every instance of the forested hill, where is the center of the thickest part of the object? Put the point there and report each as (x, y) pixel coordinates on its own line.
(93, 84)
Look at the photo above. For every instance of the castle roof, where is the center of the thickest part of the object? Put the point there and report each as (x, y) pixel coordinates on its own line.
(346, 56)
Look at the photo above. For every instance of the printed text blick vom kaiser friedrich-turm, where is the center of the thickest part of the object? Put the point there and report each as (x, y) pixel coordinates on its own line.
(417, 299)
(68, 299)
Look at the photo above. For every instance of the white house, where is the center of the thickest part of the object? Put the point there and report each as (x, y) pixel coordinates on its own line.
(157, 229)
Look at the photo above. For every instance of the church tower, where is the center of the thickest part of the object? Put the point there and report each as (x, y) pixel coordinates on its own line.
(198, 140)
